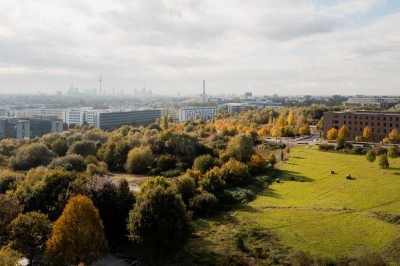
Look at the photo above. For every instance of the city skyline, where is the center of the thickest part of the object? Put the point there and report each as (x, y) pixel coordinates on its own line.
(284, 47)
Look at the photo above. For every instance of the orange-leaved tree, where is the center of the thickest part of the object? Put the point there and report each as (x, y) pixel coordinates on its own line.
(78, 235)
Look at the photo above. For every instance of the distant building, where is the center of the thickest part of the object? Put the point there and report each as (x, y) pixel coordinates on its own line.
(37, 111)
(41, 125)
(247, 96)
(191, 113)
(381, 123)
(113, 120)
(14, 128)
(377, 102)
(239, 107)
(172, 113)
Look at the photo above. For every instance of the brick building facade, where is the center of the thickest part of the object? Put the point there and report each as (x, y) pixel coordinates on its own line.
(381, 123)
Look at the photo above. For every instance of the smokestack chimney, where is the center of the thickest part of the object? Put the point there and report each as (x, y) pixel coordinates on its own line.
(204, 87)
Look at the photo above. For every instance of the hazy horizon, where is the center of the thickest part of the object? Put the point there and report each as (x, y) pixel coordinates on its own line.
(286, 47)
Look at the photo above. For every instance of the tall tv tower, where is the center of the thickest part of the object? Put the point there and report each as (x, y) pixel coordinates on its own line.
(100, 80)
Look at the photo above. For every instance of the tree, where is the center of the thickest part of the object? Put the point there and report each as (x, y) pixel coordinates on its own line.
(29, 233)
(240, 147)
(139, 160)
(112, 200)
(203, 204)
(165, 122)
(394, 135)
(204, 163)
(257, 164)
(9, 180)
(344, 132)
(213, 181)
(272, 159)
(340, 143)
(166, 162)
(320, 124)
(10, 208)
(186, 186)
(84, 148)
(234, 172)
(304, 130)
(383, 161)
(371, 156)
(332, 133)
(9, 257)
(393, 152)
(60, 147)
(78, 235)
(290, 118)
(70, 162)
(159, 221)
(30, 156)
(367, 133)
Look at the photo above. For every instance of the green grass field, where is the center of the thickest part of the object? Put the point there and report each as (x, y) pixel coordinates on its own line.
(328, 215)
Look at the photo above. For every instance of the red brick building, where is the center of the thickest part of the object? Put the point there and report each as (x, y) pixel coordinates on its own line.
(381, 123)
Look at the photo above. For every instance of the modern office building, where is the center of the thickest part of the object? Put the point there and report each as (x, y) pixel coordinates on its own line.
(14, 128)
(377, 102)
(32, 112)
(233, 108)
(381, 123)
(191, 113)
(41, 125)
(112, 120)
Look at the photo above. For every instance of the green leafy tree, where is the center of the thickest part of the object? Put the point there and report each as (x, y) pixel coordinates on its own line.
(203, 204)
(393, 152)
(204, 163)
(78, 235)
(9, 180)
(272, 159)
(29, 233)
(159, 220)
(70, 162)
(371, 156)
(155, 182)
(10, 208)
(139, 160)
(383, 161)
(84, 148)
(30, 156)
(60, 147)
(213, 181)
(186, 186)
(240, 147)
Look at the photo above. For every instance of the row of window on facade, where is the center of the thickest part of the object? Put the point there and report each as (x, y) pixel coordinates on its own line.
(372, 117)
(367, 124)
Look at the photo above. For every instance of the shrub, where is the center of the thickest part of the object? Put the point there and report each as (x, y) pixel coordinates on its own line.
(171, 173)
(9, 180)
(234, 172)
(241, 195)
(139, 160)
(257, 164)
(326, 147)
(204, 204)
(84, 148)
(272, 146)
(70, 162)
(204, 163)
(99, 169)
(186, 186)
(212, 181)
(90, 159)
(166, 162)
(30, 156)
(383, 161)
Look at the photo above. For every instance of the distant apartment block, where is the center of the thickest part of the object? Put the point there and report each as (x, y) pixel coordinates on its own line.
(14, 128)
(32, 112)
(113, 120)
(41, 125)
(172, 113)
(381, 123)
(233, 108)
(110, 119)
(377, 102)
(191, 113)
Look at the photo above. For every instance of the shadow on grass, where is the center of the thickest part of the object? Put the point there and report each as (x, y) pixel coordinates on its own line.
(298, 157)
(293, 176)
(397, 173)
(247, 208)
(270, 192)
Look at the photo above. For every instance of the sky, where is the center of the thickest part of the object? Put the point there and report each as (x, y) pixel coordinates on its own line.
(288, 47)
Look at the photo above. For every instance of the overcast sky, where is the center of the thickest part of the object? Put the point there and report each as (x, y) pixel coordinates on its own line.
(264, 46)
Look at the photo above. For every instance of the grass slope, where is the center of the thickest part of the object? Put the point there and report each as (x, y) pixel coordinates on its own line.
(328, 215)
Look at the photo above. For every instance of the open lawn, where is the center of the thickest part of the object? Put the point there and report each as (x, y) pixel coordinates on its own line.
(328, 215)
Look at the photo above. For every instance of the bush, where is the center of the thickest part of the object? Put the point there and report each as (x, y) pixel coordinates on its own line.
(383, 161)
(70, 162)
(159, 221)
(171, 173)
(257, 164)
(241, 195)
(90, 159)
(271, 146)
(234, 172)
(84, 148)
(326, 147)
(212, 181)
(139, 160)
(186, 186)
(99, 169)
(204, 163)
(203, 204)
(30, 156)
(166, 162)
(9, 180)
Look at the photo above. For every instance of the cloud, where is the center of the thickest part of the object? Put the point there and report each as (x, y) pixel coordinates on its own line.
(286, 46)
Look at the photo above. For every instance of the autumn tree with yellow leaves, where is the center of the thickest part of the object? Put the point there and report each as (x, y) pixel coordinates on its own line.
(78, 235)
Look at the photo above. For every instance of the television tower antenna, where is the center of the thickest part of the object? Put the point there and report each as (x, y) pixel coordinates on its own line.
(100, 80)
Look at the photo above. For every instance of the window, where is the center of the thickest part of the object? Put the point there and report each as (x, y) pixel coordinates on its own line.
(390, 118)
(391, 125)
(384, 118)
(366, 117)
(384, 131)
(384, 124)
